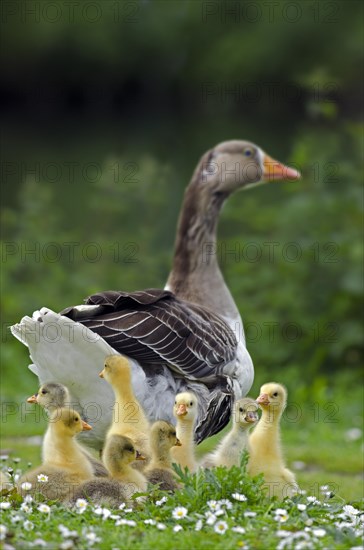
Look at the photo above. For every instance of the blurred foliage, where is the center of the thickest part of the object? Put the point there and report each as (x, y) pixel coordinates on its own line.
(133, 99)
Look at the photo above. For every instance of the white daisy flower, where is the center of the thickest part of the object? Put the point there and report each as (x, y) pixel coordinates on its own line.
(319, 532)
(66, 545)
(40, 542)
(42, 478)
(210, 518)
(349, 510)
(92, 537)
(301, 507)
(353, 434)
(122, 506)
(5, 505)
(220, 527)
(249, 514)
(150, 522)
(312, 500)
(81, 505)
(26, 486)
(283, 534)
(44, 508)
(213, 505)
(177, 528)
(239, 497)
(161, 526)
(4, 457)
(16, 519)
(24, 507)
(238, 529)
(3, 531)
(28, 499)
(198, 525)
(161, 501)
(226, 502)
(180, 512)
(281, 515)
(28, 525)
(123, 521)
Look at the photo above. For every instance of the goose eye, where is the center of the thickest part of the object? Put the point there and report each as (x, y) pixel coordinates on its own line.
(44, 392)
(75, 419)
(174, 434)
(241, 409)
(275, 394)
(248, 152)
(191, 404)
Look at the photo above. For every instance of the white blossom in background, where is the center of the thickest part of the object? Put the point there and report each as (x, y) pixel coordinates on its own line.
(42, 478)
(180, 512)
(220, 527)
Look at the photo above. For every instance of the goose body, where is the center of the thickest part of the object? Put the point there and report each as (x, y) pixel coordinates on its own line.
(188, 337)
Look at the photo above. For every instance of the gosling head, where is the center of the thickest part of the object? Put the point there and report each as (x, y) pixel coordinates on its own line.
(245, 412)
(68, 422)
(116, 367)
(163, 435)
(185, 407)
(272, 397)
(51, 396)
(119, 452)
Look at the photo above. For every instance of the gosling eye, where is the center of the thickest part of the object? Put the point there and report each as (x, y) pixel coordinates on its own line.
(75, 419)
(191, 403)
(241, 409)
(174, 434)
(275, 394)
(44, 392)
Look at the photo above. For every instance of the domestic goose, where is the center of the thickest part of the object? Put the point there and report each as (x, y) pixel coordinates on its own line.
(188, 337)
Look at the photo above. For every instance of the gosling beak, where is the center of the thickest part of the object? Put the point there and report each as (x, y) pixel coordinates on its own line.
(181, 410)
(263, 399)
(178, 443)
(139, 456)
(101, 374)
(274, 170)
(251, 417)
(32, 399)
(85, 426)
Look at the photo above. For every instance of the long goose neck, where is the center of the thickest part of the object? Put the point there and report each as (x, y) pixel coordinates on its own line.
(196, 275)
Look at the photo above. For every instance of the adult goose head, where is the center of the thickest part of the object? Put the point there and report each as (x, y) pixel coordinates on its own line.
(190, 339)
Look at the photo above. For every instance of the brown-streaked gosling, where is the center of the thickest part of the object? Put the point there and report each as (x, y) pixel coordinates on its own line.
(53, 396)
(265, 447)
(163, 437)
(129, 418)
(118, 455)
(185, 412)
(66, 466)
(231, 448)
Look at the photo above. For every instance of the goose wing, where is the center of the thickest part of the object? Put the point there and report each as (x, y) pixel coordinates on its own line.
(154, 327)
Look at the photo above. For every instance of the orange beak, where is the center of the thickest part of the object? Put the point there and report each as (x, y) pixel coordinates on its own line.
(32, 399)
(181, 410)
(178, 443)
(274, 170)
(263, 399)
(139, 456)
(101, 374)
(85, 426)
(251, 417)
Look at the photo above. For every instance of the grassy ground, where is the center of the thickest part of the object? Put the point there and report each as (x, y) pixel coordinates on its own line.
(321, 435)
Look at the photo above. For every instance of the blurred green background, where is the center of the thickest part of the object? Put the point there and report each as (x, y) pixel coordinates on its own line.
(107, 108)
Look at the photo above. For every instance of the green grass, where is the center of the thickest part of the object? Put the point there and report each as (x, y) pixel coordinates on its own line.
(319, 445)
